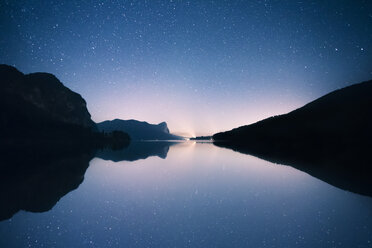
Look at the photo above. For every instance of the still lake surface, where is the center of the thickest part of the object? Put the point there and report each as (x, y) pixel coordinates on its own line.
(195, 195)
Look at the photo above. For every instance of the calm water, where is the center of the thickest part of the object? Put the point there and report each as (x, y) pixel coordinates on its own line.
(195, 195)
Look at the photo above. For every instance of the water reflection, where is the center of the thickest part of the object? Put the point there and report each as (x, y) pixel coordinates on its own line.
(136, 150)
(347, 168)
(199, 196)
(34, 179)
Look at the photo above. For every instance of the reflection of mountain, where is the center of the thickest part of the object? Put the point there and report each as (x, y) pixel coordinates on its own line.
(35, 179)
(139, 130)
(328, 138)
(137, 150)
(347, 169)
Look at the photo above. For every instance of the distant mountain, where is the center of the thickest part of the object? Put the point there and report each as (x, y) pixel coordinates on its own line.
(201, 138)
(139, 130)
(37, 106)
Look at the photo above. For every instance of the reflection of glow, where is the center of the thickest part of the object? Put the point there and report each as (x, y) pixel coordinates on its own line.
(191, 162)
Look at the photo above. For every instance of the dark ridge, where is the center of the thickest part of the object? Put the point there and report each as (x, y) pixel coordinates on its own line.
(344, 116)
(37, 109)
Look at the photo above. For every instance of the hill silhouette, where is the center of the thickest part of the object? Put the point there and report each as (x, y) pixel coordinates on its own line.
(342, 117)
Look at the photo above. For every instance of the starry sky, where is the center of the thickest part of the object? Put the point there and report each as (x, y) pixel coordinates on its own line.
(201, 66)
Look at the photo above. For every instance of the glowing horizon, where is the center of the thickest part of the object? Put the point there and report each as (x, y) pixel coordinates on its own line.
(200, 66)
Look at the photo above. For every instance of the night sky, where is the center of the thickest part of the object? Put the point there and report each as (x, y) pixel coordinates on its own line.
(201, 66)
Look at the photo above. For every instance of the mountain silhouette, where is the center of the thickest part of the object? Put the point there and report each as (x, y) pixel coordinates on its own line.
(37, 107)
(342, 117)
(328, 138)
(139, 130)
(44, 97)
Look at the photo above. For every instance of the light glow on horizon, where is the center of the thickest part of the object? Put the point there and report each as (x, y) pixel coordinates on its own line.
(200, 66)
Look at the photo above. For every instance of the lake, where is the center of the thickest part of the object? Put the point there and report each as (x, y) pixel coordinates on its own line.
(188, 194)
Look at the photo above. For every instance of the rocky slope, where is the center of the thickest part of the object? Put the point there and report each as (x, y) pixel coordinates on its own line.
(43, 95)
